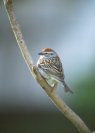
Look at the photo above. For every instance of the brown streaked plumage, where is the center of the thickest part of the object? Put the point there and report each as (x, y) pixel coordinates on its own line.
(50, 67)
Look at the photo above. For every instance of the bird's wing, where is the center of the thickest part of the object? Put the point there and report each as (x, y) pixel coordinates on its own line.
(53, 66)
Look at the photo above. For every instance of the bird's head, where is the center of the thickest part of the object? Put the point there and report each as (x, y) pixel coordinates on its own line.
(47, 53)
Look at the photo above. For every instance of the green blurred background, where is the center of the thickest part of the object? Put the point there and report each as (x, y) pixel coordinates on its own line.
(67, 26)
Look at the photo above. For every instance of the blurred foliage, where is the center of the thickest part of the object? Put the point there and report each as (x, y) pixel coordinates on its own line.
(41, 122)
(86, 91)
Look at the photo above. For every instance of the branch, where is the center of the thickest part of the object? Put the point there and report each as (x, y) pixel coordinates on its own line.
(61, 105)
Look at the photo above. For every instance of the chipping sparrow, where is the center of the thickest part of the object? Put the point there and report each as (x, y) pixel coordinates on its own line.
(50, 67)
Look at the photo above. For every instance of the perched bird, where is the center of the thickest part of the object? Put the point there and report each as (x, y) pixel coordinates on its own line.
(50, 67)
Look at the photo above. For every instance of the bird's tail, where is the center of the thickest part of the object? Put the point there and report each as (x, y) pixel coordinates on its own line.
(66, 88)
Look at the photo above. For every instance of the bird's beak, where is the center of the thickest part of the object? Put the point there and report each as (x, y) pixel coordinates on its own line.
(40, 53)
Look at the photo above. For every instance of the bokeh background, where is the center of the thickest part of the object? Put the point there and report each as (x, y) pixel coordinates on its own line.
(67, 26)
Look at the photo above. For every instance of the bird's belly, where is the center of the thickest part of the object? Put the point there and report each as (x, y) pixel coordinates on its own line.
(49, 78)
(44, 74)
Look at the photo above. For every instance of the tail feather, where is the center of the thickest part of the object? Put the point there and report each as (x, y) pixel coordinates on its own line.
(67, 89)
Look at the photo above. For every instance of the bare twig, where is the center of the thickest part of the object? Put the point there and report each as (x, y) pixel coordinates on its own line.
(61, 105)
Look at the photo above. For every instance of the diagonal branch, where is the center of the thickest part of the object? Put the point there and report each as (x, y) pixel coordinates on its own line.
(61, 105)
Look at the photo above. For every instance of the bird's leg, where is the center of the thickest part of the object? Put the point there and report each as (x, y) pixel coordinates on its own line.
(52, 83)
(54, 86)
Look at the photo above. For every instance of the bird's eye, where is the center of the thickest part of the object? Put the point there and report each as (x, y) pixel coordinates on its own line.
(46, 53)
(51, 53)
